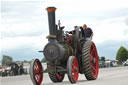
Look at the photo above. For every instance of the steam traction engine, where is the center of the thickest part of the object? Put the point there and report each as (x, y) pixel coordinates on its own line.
(66, 52)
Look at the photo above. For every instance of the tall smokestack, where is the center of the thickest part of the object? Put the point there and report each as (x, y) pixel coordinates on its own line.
(51, 20)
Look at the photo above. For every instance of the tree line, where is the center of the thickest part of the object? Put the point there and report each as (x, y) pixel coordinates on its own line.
(8, 60)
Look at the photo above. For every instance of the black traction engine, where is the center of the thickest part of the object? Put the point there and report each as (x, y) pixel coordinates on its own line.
(67, 52)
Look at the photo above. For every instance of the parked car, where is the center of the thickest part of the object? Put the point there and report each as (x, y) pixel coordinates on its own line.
(125, 63)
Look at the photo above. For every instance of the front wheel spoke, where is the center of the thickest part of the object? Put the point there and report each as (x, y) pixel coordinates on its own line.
(37, 73)
(36, 66)
(37, 77)
(73, 68)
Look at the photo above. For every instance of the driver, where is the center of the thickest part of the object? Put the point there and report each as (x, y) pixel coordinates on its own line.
(88, 32)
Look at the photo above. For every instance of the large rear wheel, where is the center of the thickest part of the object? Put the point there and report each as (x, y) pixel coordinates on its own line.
(36, 72)
(90, 60)
(73, 69)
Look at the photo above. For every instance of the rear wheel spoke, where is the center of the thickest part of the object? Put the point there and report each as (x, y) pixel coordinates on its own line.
(93, 68)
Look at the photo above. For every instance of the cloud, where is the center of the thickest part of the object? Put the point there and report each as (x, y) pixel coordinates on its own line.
(126, 21)
(111, 29)
(23, 29)
(23, 42)
(28, 53)
(17, 12)
(24, 48)
(23, 19)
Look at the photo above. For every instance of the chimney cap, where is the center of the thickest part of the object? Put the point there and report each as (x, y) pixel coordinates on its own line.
(51, 9)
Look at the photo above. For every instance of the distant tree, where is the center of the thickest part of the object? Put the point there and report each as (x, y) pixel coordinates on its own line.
(103, 58)
(30, 61)
(98, 58)
(25, 61)
(122, 54)
(6, 60)
(44, 60)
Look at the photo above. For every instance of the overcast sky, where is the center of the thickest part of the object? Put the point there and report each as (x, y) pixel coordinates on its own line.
(24, 24)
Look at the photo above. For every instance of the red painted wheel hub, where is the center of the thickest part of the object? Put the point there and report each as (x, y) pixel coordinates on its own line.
(75, 70)
(94, 60)
(37, 71)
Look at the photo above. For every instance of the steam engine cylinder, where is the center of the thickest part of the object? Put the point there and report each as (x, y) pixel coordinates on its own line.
(54, 51)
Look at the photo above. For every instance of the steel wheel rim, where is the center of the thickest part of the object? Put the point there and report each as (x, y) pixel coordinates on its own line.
(94, 60)
(37, 71)
(75, 70)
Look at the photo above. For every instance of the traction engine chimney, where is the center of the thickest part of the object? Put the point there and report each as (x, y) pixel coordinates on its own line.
(51, 20)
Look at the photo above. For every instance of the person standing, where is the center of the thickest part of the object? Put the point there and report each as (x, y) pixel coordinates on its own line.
(88, 32)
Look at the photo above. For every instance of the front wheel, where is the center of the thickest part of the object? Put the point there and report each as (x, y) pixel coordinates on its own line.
(73, 69)
(36, 72)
